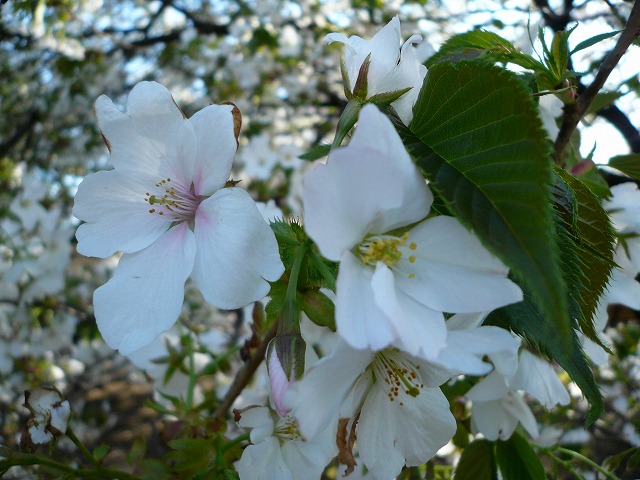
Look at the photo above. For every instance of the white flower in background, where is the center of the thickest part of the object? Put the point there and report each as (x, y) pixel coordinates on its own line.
(393, 287)
(550, 108)
(402, 416)
(623, 288)
(498, 400)
(393, 67)
(468, 342)
(624, 207)
(49, 416)
(165, 208)
(279, 451)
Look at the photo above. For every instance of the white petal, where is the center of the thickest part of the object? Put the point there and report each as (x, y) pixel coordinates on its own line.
(413, 72)
(417, 329)
(153, 136)
(376, 131)
(278, 381)
(315, 400)
(384, 47)
(359, 320)
(454, 272)
(540, 379)
(118, 217)
(518, 408)
(309, 459)
(493, 387)
(465, 349)
(465, 321)
(263, 462)
(492, 420)
(391, 435)
(144, 297)
(259, 420)
(237, 251)
(343, 198)
(214, 130)
(623, 289)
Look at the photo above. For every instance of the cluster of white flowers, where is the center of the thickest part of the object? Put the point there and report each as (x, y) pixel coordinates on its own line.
(412, 291)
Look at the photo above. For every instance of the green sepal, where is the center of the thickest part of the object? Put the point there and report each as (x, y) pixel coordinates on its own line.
(290, 348)
(388, 97)
(347, 120)
(346, 81)
(319, 308)
(361, 88)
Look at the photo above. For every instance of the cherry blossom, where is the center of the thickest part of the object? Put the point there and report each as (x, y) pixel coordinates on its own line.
(365, 208)
(165, 207)
(394, 65)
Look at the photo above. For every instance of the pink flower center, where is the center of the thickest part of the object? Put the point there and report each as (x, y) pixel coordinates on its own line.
(173, 201)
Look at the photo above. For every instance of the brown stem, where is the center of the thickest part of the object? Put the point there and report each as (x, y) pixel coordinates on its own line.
(246, 372)
(573, 113)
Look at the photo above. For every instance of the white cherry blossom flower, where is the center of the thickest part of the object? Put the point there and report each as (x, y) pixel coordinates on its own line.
(498, 400)
(393, 287)
(165, 208)
(279, 451)
(49, 416)
(389, 398)
(394, 65)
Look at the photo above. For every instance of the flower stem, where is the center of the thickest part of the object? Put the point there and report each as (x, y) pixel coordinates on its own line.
(244, 375)
(588, 461)
(84, 450)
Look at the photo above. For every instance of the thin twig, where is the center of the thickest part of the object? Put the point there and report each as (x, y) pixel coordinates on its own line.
(574, 113)
(244, 375)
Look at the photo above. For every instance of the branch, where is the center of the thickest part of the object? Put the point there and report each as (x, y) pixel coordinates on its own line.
(574, 113)
(246, 372)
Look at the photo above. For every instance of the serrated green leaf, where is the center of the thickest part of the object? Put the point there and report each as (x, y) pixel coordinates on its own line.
(483, 45)
(518, 461)
(526, 320)
(590, 239)
(477, 462)
(627, 164)
(593, 40)
(191, 456)
(477, 137)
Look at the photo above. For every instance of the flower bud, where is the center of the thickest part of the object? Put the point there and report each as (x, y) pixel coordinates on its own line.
(285, 364)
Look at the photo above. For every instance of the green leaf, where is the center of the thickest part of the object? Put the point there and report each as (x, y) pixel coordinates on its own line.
(602, 100)
(588, 248)
(477, 137)
(627, 164)
(477, 462)
(518, 461)
(191, 456)
(593, 40)
(316, 152)
(485, 46)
